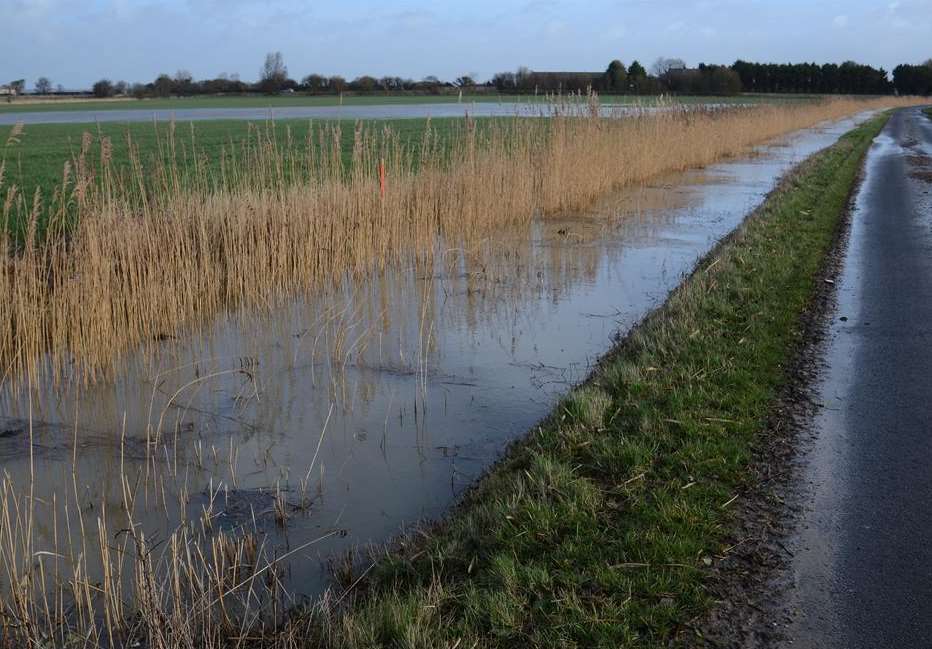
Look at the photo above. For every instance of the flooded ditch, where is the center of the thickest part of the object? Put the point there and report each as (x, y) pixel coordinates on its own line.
(337, 421)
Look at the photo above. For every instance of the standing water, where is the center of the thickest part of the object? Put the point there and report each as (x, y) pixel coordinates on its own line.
(337, 420)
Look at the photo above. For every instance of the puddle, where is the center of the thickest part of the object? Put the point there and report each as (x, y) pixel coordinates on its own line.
(366, 409)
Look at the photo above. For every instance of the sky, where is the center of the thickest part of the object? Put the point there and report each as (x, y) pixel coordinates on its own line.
(76, 42)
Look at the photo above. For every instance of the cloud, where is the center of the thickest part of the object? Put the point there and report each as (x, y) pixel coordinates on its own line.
(76, 42)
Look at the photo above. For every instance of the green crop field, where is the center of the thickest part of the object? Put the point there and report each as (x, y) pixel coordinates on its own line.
(35, 158)
(286, 101)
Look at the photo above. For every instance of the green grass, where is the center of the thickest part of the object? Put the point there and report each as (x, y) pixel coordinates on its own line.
(36, 159)
(283, 101)
(597, 530)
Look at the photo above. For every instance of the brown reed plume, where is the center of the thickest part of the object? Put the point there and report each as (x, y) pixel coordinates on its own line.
(134, 253)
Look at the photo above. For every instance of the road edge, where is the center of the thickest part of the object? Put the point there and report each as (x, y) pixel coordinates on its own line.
(751, 571)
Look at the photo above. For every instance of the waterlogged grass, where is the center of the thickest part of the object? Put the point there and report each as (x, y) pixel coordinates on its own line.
(597, 531)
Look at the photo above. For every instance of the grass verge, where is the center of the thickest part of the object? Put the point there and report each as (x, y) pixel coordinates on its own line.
(599, 529)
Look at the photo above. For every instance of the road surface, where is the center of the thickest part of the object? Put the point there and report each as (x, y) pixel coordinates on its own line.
(862, 552)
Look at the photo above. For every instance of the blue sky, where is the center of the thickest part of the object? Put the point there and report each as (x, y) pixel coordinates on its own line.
(75, 42)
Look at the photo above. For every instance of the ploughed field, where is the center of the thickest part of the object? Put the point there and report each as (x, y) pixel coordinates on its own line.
(236, 353)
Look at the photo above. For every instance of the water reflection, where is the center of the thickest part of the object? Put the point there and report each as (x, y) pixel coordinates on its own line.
(370, 406)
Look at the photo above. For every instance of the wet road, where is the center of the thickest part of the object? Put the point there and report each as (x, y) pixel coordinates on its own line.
(862, 566)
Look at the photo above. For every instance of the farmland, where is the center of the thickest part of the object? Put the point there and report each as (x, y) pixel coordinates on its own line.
(284, 101)
(271, 337)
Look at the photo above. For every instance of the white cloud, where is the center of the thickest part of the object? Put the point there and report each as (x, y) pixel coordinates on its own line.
(840, 21)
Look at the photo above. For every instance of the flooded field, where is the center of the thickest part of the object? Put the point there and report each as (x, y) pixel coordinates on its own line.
(374, 111)
(337, 421)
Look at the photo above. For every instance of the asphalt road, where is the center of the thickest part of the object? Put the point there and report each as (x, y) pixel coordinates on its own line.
(862, 553)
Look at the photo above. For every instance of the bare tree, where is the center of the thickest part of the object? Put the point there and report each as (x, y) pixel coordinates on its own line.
(663, 65)
(103, 88)
(274, 74)
(43, 85)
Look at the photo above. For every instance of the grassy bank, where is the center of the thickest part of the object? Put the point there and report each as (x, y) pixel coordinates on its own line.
(592, 532)
(599, 528)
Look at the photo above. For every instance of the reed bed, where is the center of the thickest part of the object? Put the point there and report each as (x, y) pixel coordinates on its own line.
(136, 253)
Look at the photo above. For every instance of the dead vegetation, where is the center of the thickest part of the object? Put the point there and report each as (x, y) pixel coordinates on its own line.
(125, 263)
(121, 256)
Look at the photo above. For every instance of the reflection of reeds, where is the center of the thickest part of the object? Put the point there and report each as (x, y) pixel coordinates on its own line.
(102, 580)
(132, 254)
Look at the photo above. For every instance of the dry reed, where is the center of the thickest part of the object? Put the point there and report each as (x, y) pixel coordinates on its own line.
(133, 254)
(136, 254)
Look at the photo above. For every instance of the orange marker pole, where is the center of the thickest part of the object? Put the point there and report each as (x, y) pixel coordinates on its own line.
(382, 178)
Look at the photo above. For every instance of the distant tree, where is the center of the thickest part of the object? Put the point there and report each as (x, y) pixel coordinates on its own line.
(314, 83)
(336, 83)
(139, 90)
(59, 88)
(43, 85)
(364, 83)
(431, 84)
(913, 79)
(163, 85)
(663, 65)
(18, 86)
(504, 81)
(524, 79)
(465, 81)
(119, 88)
(636, 71)
(637, 77)
(615, 78)
(274, 73)
(103, 88)
(182, 83)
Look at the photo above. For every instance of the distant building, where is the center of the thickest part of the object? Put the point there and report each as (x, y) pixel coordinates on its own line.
(7, 91)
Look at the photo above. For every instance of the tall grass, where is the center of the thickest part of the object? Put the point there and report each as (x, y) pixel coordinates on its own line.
(135, 253)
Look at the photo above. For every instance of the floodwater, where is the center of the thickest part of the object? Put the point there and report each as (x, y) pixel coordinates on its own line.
(383, 111)
(374, 405)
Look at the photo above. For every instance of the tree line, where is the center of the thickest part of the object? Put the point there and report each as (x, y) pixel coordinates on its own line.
(913, 79)
(666, 75)
(849, 78)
